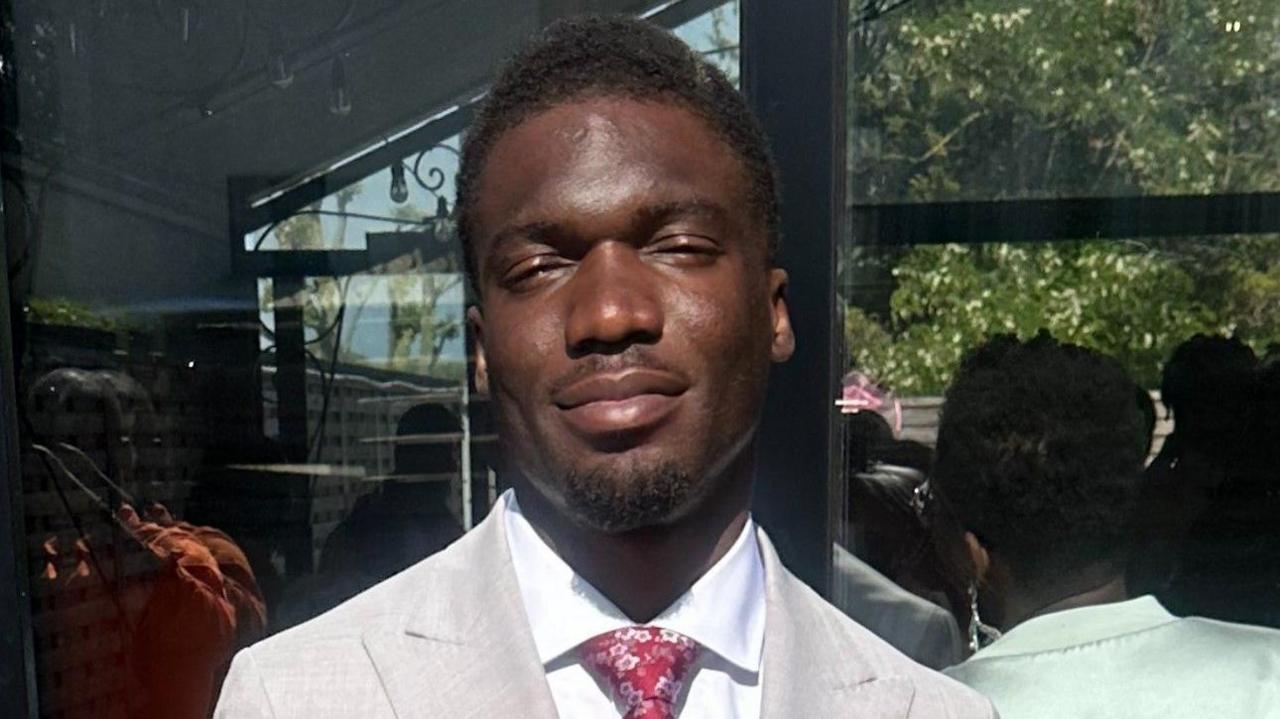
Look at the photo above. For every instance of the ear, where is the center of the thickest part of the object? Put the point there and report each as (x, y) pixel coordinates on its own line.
(978, 556)
(475, 318)
(784, 338)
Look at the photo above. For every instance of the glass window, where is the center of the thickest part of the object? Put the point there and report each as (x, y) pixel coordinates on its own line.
(1004, 99)
(1096, 170)
(242, 341)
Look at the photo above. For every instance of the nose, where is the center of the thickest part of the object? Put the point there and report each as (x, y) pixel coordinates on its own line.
(613, 303)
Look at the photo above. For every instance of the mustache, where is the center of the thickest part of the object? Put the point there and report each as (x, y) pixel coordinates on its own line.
(634, 357)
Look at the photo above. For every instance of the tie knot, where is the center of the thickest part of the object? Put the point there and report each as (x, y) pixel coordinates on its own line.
(645, 667)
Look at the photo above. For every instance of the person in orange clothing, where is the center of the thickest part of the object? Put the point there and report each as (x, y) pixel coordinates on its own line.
(180, 616)
(204, 606)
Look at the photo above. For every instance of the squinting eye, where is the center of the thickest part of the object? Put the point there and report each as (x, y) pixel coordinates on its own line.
(692, 246)
(528, 271)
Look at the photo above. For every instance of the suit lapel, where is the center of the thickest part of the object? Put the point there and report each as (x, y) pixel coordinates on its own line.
(465, 649)
(811, 669)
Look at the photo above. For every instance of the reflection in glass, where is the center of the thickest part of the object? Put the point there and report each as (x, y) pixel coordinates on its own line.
(241, 354)
(1002, 99)
(1132, 106)
(1135, 300)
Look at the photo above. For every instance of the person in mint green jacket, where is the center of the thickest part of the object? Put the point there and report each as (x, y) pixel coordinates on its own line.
(1039, 459)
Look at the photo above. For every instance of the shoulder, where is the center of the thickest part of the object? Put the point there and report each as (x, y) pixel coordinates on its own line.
(327, 658)
(827, 635)
(1229, 639)
(914, 625)
(1166, 643)
(1174, 647)
(385, 606)
(336, 636)
(1191, 667)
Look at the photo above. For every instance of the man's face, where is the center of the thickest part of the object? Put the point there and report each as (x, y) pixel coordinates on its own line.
(630, 313)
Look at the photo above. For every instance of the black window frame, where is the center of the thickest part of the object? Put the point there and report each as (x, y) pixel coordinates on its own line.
(794, 74)
(17, 657)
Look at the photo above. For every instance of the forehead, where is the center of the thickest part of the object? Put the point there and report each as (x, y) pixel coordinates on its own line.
(586, 159)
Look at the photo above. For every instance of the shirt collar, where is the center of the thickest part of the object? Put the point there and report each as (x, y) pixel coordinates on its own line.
(724, 610)
(1074, 627)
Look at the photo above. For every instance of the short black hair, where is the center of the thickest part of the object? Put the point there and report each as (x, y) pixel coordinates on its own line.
(1206, 383)
(1040, 454)
(594, 56)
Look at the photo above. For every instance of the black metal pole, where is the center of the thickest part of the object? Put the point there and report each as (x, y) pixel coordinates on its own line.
(17, 658)
(794, 74)
(1065, 218)
(289, 294)
(17, 662)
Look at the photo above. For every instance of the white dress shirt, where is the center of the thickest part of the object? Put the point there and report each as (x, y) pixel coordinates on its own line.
(724, 611)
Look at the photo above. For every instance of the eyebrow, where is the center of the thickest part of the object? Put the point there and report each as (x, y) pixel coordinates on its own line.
(536, 231)
(648, 215)
(666, 211)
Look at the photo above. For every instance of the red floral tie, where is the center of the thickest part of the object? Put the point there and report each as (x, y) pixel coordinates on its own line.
(645, 666)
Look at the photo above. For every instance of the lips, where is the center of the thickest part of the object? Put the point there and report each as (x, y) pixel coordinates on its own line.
(611, 403)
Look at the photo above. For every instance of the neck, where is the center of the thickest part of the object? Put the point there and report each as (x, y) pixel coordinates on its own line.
(1101, 590)
(643, 571)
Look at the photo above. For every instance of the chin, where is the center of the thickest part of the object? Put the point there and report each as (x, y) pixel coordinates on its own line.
(622, 497)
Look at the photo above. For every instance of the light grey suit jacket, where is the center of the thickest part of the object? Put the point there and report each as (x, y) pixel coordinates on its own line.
(448, 637)
(914, 625)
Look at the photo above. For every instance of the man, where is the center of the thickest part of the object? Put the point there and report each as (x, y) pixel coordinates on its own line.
(618, 212)
(1040, 452)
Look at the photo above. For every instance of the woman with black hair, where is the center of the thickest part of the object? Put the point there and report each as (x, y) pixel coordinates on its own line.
(1040, 454)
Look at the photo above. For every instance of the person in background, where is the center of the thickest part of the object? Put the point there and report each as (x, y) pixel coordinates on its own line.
(404, 519)
(411, 515)
(173, 599)
(890, 584)
(1207, 386)
(1227, 558)
(618, 213)
(1040, 453)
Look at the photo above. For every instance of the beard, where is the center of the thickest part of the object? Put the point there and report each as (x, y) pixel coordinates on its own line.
(614, 500)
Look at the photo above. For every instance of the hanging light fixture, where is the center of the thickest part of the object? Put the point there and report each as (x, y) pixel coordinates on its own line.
(279, 70)
(339, 93)
(184, 13)
(74, 39)
(399, 188)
